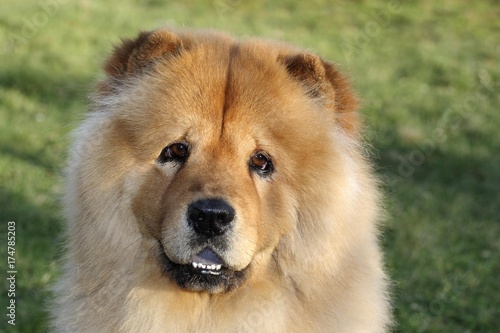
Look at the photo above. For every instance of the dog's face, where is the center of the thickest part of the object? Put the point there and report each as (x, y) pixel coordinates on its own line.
(226, 141)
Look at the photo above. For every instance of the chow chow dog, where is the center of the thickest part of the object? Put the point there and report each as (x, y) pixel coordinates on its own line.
(220, 185)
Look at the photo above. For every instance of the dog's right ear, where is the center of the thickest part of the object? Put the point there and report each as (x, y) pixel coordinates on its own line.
(133, 56)
(324, 82)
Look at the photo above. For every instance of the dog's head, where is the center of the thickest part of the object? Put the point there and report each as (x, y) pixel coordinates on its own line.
(222, 148)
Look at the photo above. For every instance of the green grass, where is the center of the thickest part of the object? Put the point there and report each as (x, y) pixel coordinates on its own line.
(412, 66)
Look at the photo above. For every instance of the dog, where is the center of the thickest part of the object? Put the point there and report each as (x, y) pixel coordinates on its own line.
(220, 185)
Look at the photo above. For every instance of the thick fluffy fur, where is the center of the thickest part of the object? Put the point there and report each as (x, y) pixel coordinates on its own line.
(301, 254)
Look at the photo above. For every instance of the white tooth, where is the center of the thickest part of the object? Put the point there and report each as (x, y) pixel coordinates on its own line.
(202, 266)
(212, 267)
(218, 267)
(195, 265)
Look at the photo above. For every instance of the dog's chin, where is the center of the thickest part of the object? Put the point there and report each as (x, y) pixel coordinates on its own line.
(205, 272)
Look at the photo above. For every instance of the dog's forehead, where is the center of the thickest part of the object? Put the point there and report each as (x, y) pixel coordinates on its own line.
(221, 84)
(227, 91)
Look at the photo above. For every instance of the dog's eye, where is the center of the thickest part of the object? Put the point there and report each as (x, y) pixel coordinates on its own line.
(261, 163)
(177, 152)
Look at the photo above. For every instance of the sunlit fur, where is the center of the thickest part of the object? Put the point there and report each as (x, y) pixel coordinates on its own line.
(307, 233)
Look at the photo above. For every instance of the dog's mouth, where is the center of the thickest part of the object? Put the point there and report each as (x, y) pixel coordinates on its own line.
(205, 271)
(206, 262)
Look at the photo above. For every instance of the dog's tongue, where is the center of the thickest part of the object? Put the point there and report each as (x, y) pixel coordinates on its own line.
(207, 257)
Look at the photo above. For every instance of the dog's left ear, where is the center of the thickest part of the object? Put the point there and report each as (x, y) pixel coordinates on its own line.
(323, 81)
(134, 56)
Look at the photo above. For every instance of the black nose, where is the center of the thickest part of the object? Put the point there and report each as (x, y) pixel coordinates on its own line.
(210, 217)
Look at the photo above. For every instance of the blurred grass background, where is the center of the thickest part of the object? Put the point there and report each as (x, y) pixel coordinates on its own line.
(428, 73)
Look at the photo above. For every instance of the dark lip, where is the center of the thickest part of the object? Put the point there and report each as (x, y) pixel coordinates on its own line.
(189, 278)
